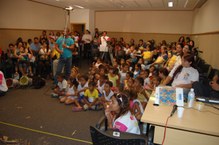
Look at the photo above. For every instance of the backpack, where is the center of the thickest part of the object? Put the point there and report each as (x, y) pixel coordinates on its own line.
(38, 82)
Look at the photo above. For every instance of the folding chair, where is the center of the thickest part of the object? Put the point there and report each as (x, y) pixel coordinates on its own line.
(111, 137)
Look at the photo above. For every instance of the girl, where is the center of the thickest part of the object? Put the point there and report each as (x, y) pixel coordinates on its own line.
(128, 81)
(113, 77)
(163, 73)
(137, 70)
(3, 85)
(122, 74)
(136, 106)
(71, 97)
(74, 73)
(142, 95)
(147, 55)
(162, 58)
(119, 115)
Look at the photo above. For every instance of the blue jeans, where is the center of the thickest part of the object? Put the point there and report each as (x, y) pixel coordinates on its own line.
(67, 64)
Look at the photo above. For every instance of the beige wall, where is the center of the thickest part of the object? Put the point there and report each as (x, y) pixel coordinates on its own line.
(83, 16)
(208, 44)
(206, 20)
(170, 22)
(25, 14)
(26, 19)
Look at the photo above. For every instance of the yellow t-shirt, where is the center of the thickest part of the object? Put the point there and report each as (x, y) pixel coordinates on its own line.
(147, 55)
(113, 80)
(91, 95)
(55, 53)
(172, 61)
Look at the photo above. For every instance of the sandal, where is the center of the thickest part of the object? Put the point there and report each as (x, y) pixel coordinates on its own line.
(76, 109)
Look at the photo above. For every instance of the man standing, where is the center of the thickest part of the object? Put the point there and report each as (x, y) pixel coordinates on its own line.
(104, 49)
(86, 39)
(65, 46)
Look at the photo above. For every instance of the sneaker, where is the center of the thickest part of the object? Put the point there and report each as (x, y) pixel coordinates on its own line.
(85, 107)
(54, 95)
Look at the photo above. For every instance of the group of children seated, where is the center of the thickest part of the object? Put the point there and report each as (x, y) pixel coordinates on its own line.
(135, 74)
(124, 86)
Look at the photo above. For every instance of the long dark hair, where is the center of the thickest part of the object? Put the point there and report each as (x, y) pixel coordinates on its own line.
(189, 58)
(123, 101)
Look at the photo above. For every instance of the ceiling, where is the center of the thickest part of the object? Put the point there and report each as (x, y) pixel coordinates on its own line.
(126, 4)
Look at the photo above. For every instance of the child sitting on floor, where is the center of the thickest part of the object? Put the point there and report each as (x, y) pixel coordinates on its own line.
(61, 87)
(100, 83)
(91, 97)
(83, 85)
(71, 95)
(107, 94)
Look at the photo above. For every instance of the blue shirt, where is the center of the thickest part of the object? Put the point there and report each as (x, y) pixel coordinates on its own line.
(35, 47)
(67, 53)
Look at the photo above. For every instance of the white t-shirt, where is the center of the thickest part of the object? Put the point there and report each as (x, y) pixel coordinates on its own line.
(108, 97)
(3, 85)
(80, 88)
(103, 45)
(186, 76)
(122, 77)
(139, 104)
(100, 88)
(63, 85)
(87, 38)
(127, 123)
(71, 91)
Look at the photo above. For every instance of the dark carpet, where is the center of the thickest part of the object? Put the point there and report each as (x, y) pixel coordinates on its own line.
(31, 115)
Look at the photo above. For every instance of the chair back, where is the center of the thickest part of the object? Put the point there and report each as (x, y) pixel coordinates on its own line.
(111, 137)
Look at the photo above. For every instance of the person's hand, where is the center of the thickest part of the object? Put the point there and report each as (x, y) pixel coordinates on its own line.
(64, 46)
(214, 85)
(108, 113)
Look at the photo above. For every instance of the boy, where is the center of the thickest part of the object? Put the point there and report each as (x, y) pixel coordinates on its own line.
(61, 87)
(91, 97)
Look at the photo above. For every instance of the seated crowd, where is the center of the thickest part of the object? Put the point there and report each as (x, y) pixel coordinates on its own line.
(123, 86)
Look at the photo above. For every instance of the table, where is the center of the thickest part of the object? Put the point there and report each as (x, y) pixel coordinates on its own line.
(194, 128)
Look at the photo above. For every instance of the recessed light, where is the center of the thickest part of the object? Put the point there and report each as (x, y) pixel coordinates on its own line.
(170, 4)
(69, 8)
